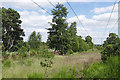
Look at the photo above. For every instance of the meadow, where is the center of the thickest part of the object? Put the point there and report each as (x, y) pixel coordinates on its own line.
(63, 66)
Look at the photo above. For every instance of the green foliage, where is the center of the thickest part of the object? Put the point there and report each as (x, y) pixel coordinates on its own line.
(112, 39)
(34, 40)
(70, 52)
(33, 53)
(0, 32)
(99, 47)
(11, 29)
(5, 55)
(35, 75)
(111, 47)
(57, 34)
(7, 63)
(47, 61)
(88, 39)
(23, 52)
(15, 55)
(83, 46)
(62, 37)
(103, 70)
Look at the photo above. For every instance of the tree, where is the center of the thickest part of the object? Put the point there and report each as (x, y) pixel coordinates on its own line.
(11, 29)
(111, 47)
(88, 39)
(83, 46)
(73, 39)
(34, 40)
(57, 33)
(112, 39)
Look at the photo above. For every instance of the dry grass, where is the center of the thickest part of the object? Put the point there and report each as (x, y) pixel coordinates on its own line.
(77, 61)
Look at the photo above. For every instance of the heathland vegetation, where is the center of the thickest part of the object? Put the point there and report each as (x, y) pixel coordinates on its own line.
(64, 55)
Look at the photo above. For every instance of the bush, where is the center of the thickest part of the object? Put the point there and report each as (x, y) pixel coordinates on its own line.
(23, 52)
(103, 70)
(35, 75)
(99, 47)
(110, 50)
(7, 63)
(33, 53)
(47, 61)
(14, 55)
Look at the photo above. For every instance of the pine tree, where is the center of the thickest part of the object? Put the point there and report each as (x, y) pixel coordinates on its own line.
(57, 33)
(11, 29)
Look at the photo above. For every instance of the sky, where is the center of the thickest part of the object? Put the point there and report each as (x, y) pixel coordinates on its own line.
(93, 14)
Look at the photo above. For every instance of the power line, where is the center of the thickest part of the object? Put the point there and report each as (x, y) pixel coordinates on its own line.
(51, 3)
(40, 6)
(110, 16)
(55, 7)
(114, 24)
(76, 16)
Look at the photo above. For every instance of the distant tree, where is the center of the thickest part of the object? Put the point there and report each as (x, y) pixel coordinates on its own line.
(83, 46)
(88, 39)
(111, 47)
(34, 40)
(11, 29)
(74, 44)
(112, 39)
(57, 33)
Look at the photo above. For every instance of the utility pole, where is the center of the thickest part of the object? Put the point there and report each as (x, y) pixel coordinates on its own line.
(118, 18)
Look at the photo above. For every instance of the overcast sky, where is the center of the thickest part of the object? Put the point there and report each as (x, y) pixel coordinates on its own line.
(94, 15)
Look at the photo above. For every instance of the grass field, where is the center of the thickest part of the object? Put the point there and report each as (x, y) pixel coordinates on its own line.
(77, 62)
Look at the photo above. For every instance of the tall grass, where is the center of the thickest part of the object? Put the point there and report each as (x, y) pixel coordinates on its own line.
(66, 73)
(35, 75)
(103, 70)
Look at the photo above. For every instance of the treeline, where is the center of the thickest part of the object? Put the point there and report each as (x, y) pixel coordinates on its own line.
(62, 38)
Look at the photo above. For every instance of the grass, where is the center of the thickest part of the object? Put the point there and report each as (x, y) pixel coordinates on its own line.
(0, 70)
(103, 70)
(92, 51)
(62, 64)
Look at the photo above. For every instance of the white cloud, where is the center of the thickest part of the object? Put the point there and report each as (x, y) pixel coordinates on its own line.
(105, 9)
(33, 21)
(95, 26)
(105, 17)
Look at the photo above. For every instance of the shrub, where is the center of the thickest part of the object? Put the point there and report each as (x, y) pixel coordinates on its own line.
(103, 70)
(7, 63)
(47, 61)
(110, 50)
(33, 53)
(35, 75)
(23, 52)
